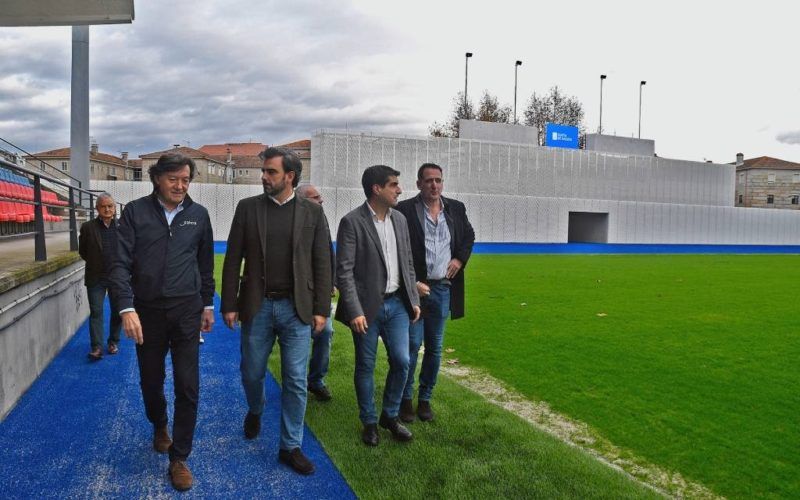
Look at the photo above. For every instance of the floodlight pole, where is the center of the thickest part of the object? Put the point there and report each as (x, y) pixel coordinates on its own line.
(516, 66)
(466, 75)
(600, 128)
(641, 84)
(79, 106)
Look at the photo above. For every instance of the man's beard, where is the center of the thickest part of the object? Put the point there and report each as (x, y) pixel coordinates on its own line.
(276, 188)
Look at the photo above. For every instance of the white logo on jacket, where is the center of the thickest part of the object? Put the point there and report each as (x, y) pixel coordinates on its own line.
(188, 223)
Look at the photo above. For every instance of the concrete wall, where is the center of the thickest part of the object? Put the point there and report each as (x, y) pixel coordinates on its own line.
(620, 145)
(519, 193)
(496, 132)
(338, 160)
(28, 342)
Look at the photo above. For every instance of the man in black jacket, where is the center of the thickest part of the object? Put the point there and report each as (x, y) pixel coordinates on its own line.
(163, 283)
(97, 246)
(441, 243)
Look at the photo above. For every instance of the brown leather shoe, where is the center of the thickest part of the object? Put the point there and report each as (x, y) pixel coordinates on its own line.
(180, 475)
(96, 354)
(424, 411)
(161, 439)
(296, 460)
(406, 411)
(112, 348)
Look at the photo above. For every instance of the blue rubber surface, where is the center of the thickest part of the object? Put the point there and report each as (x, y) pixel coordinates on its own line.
(610, 248)
(80, 432)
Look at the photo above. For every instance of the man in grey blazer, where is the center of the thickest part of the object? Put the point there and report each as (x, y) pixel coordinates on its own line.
(285, 293)
(377, 296)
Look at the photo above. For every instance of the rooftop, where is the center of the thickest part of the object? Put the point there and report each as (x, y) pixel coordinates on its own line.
(767, 162)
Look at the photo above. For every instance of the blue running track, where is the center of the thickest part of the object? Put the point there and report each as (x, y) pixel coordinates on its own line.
(80, 432)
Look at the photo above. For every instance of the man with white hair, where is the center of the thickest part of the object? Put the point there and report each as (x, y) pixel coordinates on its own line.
(97, 246)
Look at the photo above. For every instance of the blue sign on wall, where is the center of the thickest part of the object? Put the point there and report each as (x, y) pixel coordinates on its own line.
(561, 136)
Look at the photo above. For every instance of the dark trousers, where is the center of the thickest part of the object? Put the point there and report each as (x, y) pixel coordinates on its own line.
(97, 295)
(173, 326)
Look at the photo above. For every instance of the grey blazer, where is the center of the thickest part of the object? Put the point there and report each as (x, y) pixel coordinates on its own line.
(243, 293)
(361, 268)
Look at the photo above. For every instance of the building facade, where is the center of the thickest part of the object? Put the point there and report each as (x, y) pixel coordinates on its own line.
(102, 166)
(209, 169)
(766, 182)
(241, 157)
(303, 150)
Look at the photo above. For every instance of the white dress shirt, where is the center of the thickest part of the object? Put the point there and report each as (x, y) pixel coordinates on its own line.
(386, 234)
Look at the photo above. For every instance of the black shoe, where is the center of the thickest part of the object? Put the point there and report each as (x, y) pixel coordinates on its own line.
(393, 425)
(370, 435)
(322, 394)
(424, 411)
(252, 425)
(297, 461)
(406, 411)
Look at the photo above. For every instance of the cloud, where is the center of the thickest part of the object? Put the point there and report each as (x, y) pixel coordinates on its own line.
(791, 137)
(207, 72)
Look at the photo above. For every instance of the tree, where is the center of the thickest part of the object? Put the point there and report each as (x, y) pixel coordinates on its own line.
(462, 109)
(490, 110)
(554, 107)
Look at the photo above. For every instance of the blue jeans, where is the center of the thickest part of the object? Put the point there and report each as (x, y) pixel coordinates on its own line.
(391, 323)
(277, 318)
(430, 328)
(97, 295)
(320, 356)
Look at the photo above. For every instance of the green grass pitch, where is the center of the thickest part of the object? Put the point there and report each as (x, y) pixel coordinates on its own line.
(690, 362)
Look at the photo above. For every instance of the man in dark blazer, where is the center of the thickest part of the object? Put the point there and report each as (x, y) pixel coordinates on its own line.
(284, 294)
(441, 242)
(377, 296)
(97, 245)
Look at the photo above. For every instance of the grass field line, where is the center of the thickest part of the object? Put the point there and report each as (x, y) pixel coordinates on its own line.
(578, 434)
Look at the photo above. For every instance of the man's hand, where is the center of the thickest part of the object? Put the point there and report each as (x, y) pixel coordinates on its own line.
(230, 319)
(359, 324)
(318, 324)
(132, 327)
(453, 267)
(417, 313)
(207, 320)
(423, 289)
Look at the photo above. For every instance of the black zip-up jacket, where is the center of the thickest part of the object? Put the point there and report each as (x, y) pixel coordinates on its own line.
(157, 261)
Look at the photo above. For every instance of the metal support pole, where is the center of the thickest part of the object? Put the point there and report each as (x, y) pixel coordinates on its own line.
(40, 247)
(466, 75)
(600, 128)
(641, 84)
(79, 109)
(516, 66)
(73, 224)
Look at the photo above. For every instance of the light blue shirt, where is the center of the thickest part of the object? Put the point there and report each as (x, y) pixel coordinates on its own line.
(170, 214)
(437, 244)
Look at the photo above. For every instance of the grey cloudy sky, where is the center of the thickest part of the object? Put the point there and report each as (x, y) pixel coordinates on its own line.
(721, 78)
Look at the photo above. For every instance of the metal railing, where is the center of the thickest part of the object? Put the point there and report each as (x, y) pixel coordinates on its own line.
(76, 196)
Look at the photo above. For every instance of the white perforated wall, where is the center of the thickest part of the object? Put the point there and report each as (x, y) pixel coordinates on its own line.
(519, 193)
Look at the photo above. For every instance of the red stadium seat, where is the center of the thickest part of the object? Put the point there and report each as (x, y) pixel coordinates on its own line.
(7, 212)
(5, 191)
